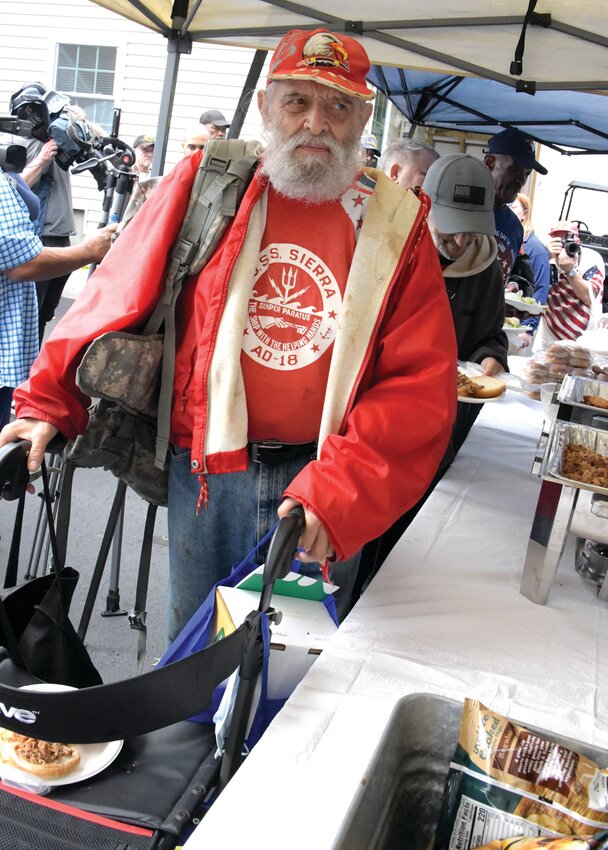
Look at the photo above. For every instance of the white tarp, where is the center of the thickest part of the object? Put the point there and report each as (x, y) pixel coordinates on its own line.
(565, 49)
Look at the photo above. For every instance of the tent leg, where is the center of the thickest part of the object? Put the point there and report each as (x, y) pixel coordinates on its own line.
(176, 45)
(247, 93)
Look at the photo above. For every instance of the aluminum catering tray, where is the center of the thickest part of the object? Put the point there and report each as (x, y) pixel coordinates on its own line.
(563, 434)
(574, 388)
(399, 798)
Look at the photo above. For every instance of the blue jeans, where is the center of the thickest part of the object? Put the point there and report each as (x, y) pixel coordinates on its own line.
(204, 548)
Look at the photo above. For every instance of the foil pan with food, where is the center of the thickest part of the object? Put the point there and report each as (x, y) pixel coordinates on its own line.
(578, 455)
(584, 392)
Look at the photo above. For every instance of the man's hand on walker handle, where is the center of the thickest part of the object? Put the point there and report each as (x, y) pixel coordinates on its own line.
(314, 541)
(38, 432)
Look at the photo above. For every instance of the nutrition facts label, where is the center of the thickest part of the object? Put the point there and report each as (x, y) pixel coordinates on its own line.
(477, 824)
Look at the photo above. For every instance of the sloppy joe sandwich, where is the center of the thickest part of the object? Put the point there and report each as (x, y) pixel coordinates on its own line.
(480, 386)
(45, 759)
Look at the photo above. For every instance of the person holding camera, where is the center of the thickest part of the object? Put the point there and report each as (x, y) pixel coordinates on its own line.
(47, 175)
(51, 184)
(577, 280)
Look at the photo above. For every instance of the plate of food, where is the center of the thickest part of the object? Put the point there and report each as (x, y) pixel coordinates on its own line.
(512, 325)
(53, 764)
(479, 389)
(525, 304)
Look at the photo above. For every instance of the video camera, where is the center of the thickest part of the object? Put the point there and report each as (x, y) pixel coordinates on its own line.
(13, 152)
(49, 115)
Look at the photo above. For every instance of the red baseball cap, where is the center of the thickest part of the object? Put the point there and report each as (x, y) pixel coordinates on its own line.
(320, 56)
(565, 227)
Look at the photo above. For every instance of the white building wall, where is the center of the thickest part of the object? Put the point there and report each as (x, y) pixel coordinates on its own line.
(210, 77)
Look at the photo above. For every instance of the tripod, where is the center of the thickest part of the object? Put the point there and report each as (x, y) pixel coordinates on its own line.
(111, 164)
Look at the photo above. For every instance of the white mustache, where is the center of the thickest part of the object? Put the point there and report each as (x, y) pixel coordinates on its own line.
(324, 140)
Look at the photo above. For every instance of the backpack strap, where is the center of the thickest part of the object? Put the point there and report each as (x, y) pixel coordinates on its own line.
(220, 183)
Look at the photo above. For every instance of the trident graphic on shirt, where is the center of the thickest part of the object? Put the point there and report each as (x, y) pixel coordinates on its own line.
(288, 283)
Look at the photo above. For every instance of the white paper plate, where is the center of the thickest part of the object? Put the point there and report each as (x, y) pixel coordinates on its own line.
(520, 330)
(93, 757)
(471, 400)
(532, 309)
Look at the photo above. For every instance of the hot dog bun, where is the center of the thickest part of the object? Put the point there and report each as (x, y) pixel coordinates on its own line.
(486, 386)
(43, 759)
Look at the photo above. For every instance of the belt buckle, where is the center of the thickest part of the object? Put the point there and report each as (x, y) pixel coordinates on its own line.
(257, 449)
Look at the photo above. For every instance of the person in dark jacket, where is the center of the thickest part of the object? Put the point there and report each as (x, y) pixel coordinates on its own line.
(461, 223)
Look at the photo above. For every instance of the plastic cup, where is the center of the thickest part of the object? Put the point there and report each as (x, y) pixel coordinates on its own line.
(546, 397)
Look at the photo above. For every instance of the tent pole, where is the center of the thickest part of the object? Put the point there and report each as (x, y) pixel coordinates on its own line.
(177, 43)
(257, 63)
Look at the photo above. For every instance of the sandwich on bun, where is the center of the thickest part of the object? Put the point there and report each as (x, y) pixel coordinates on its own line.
(480, 386)
(42, 758)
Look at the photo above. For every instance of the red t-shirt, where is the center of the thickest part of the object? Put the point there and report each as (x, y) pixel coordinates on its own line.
(294, 310)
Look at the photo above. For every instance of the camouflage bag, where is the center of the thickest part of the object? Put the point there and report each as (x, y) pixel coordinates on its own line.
(124, 444)
(132, 374)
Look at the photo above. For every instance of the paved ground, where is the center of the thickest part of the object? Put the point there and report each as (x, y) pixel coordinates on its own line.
(111, 642)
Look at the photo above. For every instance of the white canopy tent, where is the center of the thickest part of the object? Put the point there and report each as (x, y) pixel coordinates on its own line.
(540, 45)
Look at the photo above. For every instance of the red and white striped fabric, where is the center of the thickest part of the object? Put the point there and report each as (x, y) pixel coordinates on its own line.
(567, 316)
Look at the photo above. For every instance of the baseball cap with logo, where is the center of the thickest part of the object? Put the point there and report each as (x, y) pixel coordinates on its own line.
(461, 189)
(320, 56)
(214, 116)
(516, 144)
(143, 140)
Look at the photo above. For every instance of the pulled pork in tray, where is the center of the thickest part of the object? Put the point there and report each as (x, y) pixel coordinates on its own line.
(581, 464)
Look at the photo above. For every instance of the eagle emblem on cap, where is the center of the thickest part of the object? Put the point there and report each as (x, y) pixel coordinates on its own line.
(326, 50)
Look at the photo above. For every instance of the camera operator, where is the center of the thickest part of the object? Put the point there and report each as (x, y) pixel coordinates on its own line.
(576, 282)
(53, 187)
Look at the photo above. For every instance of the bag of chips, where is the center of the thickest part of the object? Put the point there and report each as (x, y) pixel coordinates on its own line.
(599, 842)
(508, 782)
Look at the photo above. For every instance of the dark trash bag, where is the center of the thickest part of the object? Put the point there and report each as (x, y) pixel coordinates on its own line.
(34, 616)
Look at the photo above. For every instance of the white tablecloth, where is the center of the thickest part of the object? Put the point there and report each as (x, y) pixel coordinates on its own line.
(444, 615)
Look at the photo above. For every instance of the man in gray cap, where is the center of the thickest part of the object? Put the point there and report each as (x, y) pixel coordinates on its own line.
(215, 121)
(461, 223)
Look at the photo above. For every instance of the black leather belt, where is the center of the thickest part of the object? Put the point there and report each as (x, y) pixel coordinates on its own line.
(271, 452)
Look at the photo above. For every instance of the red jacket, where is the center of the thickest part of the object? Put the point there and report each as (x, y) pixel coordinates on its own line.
(378, 456)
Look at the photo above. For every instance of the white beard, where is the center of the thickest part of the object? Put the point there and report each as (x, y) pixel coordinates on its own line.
(310, 178)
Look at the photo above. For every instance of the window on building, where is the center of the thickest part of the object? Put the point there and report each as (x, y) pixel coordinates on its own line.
(379, 115)
(86, 73)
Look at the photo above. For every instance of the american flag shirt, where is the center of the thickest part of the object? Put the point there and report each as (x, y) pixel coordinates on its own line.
(567, 316)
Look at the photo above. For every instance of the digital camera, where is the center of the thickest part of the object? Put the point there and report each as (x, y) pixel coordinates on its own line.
(571, 247)
(50, 116)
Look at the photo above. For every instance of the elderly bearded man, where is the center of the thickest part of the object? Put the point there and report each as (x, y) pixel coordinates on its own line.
(316, 359)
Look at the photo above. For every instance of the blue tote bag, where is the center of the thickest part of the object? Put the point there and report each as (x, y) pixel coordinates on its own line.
(198, 633)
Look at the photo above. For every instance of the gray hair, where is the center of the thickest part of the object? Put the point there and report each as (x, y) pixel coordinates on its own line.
(402, 151)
